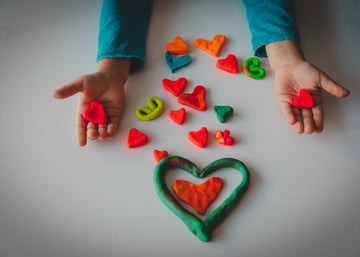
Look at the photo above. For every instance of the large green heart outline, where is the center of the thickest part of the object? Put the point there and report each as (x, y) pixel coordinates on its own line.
(203, 230)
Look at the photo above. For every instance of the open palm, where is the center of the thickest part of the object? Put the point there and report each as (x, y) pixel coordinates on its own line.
(289, 79)
(96, 86)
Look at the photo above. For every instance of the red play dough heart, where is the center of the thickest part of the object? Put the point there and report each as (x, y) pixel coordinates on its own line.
(304, 100)
(177, 116)
(175, 87)
(228, 64)
(95, 113)
(199, 138)
(195, 100)
(136, 138)
(198, 196)
(159, 155)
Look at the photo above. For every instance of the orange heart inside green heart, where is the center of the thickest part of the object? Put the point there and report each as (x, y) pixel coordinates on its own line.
(203, 230)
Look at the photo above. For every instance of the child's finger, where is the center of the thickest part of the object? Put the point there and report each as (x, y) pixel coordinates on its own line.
(102, 131)
(307, 117)
(81, 125)
(69, 89)
(92, 131)
(113, 126)
(299, 125)
(318, 114)
(288, 112)
(332, 87)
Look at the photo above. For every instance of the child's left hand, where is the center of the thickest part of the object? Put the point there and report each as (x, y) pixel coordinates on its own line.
(289, 79)
(293, 73)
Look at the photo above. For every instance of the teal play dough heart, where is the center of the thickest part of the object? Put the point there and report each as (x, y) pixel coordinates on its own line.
(203, 230)
(175, 63)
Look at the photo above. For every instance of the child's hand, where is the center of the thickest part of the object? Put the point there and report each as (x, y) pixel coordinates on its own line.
(105, 85)
(292, 73)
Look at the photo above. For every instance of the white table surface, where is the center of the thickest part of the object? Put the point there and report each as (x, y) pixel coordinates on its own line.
(57, 199)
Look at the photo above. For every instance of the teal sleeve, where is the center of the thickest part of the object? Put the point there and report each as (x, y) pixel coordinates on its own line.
(123, 28)
(270, 21)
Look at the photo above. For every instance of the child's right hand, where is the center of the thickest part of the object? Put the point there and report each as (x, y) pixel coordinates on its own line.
(106, 85)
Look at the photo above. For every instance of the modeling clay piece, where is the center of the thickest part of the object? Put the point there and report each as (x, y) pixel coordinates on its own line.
(175, 63)
(159, 155)
(223, 112)
(198, 196)
(224, 138)
(153, 111)
(178, 46)
(175, 87)
(228, 64)
(211, 47)
(95, 113)
(304, 100)
(195, 100)
(136, 138)
(202, 230)
(199, 138)
(252, 69)
(177, 116)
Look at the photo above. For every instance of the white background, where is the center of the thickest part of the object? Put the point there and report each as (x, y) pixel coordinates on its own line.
(57, 199)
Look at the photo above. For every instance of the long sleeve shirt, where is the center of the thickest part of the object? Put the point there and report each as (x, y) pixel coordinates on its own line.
(123, 27)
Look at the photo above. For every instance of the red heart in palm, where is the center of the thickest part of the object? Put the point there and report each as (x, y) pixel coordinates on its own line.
(304, 100)
(95, 113)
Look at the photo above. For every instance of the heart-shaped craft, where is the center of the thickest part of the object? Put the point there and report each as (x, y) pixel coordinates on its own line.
(223, 112)
(153, 111)
(194, 100)
(95, 113)
(203, 230)
(175, 87)
(177, 116)
(304, 100)
(199, 138)
(178, 46)
(159, 155)
(198, 196)
(211, 47)
(175, 63)
(136, 138)
(228, 64)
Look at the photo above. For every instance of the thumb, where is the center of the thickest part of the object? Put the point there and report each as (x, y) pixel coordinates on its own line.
(70, 89)
(332, 87)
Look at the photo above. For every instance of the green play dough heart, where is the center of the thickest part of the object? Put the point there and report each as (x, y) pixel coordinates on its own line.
(202, 230)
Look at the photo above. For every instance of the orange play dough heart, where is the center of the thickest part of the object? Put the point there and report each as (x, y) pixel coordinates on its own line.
(198, 196)
(211, 47)
(159, 155)
(178, 46)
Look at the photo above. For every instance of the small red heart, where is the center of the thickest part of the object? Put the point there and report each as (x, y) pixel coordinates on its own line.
(304, 100)
(199, 138)
(198, 196)
(228, 64)
(177, 116)
(95, 113)
(195, 100)
(136, 138)
(159, 155)
(175, 87)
